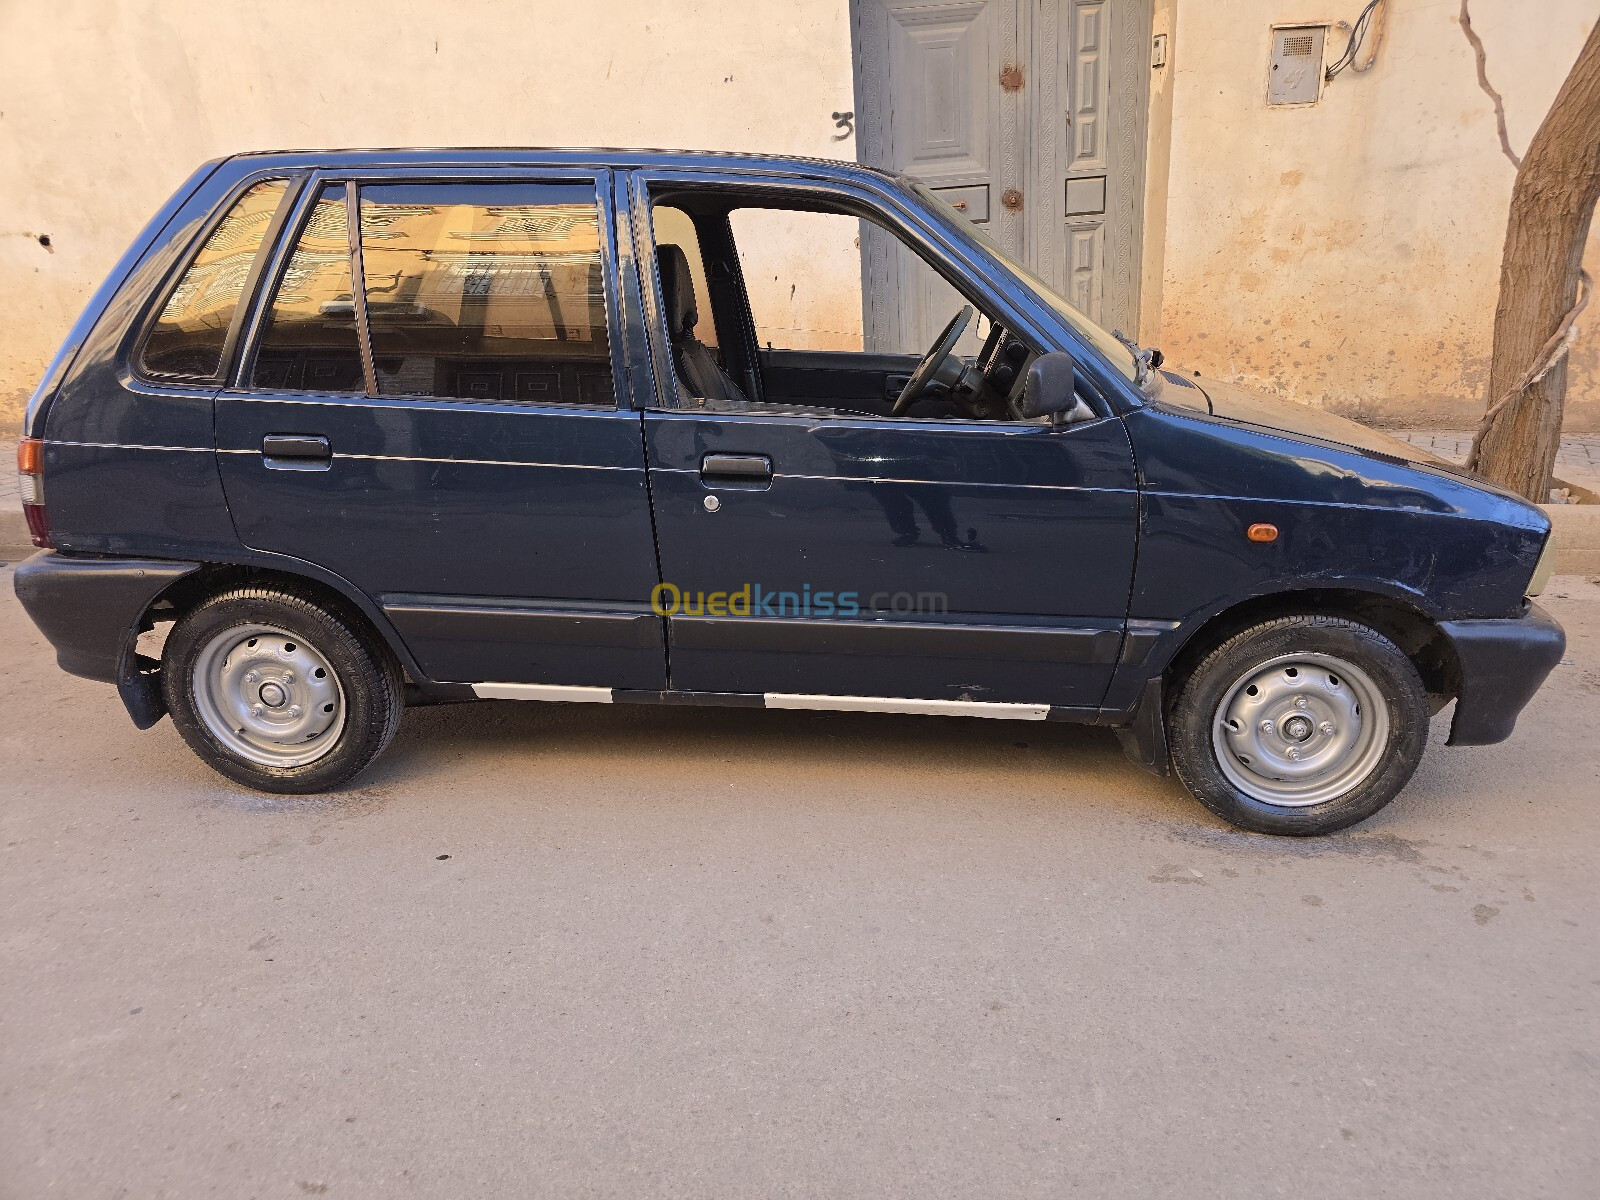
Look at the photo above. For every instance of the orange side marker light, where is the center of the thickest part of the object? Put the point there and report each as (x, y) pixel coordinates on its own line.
(1261, 531)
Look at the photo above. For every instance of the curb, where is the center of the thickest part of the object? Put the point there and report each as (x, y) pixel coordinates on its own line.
(1576, 530)
(15, 542)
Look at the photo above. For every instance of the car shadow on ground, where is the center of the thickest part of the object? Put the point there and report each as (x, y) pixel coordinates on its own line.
(785, 752)
(852, 739)
(1057, 764)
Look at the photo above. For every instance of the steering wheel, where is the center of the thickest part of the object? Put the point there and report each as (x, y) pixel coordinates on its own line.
(929, 369)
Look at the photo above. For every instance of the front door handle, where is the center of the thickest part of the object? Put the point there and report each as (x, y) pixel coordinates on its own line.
(296, 452)
(736, 470)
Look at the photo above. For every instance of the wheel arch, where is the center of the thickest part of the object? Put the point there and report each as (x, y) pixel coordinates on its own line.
(139, 680)
(1402, 621)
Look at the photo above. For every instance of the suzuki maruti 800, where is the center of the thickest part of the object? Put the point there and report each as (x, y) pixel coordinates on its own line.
(346, 431)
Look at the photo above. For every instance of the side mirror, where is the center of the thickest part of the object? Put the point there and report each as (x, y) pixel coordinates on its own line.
(1049, 391)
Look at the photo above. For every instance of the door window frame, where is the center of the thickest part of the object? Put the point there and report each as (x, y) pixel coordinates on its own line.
(972, 279)
(294, 217)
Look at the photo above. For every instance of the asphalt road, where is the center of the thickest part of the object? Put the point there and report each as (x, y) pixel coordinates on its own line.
(580, 951)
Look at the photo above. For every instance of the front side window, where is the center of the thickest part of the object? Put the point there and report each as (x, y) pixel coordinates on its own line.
(310, 342)
(189, 335)
(803, 272)
(835, 313)
(487, 291)
(1108, 342)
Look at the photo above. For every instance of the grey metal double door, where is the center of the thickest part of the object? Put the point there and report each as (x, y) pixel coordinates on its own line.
(1029, 116)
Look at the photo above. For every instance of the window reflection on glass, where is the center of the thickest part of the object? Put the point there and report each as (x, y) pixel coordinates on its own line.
(188, 336)
(309, 343)
(486, 292)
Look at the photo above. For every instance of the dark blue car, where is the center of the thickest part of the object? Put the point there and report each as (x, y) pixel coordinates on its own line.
(347, 431)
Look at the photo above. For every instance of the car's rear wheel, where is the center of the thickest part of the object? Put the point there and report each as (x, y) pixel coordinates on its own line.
(278, 692)
(1301, 725)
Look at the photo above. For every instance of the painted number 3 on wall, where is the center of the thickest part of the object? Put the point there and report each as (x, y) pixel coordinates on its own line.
(846, 122)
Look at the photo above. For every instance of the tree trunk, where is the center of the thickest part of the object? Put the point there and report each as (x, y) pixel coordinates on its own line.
(1552, 204)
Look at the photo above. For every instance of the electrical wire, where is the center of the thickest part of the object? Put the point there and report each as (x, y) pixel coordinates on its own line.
(1358, 34)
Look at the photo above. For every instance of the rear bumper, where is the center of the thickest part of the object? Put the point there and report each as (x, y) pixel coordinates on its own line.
(1503, 663)
(90, 608)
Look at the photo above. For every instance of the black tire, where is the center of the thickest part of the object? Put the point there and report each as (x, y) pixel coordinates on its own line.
(371, 699)
(1390, 678)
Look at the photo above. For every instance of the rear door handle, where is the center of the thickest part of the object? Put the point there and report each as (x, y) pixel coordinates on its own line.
(747, 470)
(296, 452)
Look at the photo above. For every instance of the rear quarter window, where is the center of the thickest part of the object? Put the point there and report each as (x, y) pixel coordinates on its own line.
(188, 337)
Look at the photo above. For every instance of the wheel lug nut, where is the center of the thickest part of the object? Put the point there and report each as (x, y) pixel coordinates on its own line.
(294, 710)
(1267, 727)
(1292, 752)
(1327, 728)
(252, 676)
(1299, 701)
(288, 677)
(256, 710)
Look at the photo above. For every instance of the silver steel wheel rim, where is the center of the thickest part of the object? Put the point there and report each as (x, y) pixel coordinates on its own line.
(268, 695)
(1300, 729)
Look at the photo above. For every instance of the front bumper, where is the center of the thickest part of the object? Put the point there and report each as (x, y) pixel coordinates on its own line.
(1502, 662)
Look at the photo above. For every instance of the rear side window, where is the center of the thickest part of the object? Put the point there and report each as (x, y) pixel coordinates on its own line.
(486, 291)
(309, 341)
(189, 335)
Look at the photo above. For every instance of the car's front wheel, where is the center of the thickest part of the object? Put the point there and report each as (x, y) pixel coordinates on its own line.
(277, 692)
(1301, 725)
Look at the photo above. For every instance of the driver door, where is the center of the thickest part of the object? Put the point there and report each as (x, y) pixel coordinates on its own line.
(859, 557)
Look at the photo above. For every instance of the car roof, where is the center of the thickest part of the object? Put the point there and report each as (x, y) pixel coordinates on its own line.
(595, 157)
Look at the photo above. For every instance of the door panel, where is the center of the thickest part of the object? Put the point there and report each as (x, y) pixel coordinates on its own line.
(1045, 99)
(868, 382)
(953, 126)
(440, 499)
(987, 562)
(1087, 121)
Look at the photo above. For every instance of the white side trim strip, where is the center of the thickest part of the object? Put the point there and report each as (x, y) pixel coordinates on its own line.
(542, 691)
(927, 708)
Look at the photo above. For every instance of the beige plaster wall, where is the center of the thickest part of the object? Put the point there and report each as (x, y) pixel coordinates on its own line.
(107, 105)
(1347, 254)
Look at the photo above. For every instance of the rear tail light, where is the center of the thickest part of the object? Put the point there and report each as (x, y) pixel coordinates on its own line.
(30, 487)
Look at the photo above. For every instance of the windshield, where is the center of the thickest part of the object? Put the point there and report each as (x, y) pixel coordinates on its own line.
(1115, 350)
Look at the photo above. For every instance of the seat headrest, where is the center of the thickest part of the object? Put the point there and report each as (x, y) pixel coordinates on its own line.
(677, 289)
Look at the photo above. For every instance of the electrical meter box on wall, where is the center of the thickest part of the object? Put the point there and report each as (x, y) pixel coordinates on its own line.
(1294, 75)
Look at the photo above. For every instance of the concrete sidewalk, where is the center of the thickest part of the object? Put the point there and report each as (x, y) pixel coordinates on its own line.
(14, 540)
(1579, 453)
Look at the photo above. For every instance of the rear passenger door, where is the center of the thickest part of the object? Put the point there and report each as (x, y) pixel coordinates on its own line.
(447, 436)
